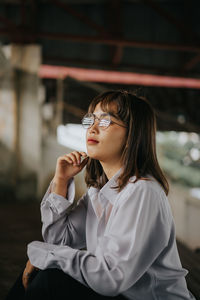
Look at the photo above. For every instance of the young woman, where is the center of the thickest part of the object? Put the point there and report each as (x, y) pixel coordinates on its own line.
(119, 239)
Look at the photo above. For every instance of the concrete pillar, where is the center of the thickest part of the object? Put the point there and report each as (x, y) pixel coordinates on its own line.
(8, 124)
(7, 111)
(24, 130)
(53, 116)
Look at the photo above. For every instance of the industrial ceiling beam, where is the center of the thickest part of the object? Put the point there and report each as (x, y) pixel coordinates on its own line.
(191, 63)
(100, 40)
(180, 26)
(65, 61)
(80, 16)
(119, 42)
(186, 30)
(116, 77)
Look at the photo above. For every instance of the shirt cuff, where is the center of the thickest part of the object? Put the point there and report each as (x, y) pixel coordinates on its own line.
(44, 255)
(38, 252)
(59, 203)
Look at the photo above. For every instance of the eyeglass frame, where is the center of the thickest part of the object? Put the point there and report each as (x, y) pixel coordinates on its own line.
(95, 117)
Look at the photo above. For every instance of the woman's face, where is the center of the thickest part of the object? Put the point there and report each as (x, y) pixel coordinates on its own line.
(106, 145)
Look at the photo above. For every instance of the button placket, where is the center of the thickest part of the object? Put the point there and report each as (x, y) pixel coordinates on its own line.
(103, 203)
(101, 225)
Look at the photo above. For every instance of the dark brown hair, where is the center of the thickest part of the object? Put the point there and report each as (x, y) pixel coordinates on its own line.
(139, 155)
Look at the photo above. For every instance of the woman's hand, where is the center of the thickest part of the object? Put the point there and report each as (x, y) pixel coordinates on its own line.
(69, 165)
(27, 273)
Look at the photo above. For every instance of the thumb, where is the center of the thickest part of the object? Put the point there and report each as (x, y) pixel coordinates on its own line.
(84, 162)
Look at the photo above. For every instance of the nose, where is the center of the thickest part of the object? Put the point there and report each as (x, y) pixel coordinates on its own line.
(94, 127)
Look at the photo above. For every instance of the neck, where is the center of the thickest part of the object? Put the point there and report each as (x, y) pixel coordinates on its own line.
(110, 169)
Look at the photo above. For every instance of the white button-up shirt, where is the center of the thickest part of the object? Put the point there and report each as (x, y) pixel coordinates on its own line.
(114, 242)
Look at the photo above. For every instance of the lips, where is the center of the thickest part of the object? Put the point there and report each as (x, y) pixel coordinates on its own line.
(92, 141)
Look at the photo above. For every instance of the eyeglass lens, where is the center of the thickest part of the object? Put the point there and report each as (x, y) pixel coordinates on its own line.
(89, 119)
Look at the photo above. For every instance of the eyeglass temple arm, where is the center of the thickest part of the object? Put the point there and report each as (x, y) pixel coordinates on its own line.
(119, 124)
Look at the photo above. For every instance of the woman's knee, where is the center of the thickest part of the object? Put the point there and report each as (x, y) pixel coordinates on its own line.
(41, 285)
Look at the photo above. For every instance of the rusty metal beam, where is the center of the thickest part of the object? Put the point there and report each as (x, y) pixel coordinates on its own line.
(102, 40)
(119, 42)
(106, 65)
(191, 63)
(81, 17)
(117, 77)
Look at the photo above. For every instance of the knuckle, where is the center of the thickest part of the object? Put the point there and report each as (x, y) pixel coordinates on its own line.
(70, 157)
(76, 153)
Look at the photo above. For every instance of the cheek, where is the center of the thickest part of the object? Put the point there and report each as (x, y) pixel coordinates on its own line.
(115, 139)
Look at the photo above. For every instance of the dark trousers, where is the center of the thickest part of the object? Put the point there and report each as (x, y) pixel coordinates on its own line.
(53, 284)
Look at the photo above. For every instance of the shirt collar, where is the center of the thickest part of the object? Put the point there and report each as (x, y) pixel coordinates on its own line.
(107, 192)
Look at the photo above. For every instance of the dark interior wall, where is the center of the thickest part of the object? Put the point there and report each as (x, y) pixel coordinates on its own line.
(77, 33)
(165, 22)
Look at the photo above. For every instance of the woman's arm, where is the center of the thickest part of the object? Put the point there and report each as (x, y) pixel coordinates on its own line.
(60, 226)
(137, 234)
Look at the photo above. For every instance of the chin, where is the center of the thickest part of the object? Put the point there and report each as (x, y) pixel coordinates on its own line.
(93, 154)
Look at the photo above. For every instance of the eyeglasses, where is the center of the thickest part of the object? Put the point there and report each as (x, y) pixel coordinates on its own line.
(103, 121)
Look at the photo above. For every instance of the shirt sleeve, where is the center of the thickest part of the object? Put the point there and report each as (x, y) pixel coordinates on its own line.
(60, 226)
(137, 234)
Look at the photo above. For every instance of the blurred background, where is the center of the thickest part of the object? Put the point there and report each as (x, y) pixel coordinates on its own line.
(55, 56)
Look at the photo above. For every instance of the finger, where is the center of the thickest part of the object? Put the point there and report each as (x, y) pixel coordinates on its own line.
(25, 284)
(25, 280)
(78, 157)
(74, 157)
(66, 158)
(84, 162)
(84, 154)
